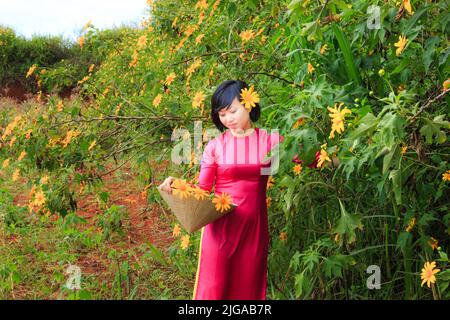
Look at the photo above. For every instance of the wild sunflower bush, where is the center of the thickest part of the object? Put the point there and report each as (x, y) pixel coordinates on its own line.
(364, 84)
(367, 85)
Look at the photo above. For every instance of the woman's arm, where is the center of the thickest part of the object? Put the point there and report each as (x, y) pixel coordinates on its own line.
(208, 168)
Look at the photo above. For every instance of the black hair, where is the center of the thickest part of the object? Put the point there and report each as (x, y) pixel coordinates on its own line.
(224, 96)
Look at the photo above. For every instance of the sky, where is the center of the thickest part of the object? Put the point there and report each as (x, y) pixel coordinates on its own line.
(67, 17)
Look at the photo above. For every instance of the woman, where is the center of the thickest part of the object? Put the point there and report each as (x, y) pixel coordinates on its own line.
(233, 249)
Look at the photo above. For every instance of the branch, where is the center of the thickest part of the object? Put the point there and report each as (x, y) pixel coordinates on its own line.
(132, 156)
(115, 118)
(215, 53)
(427, 105)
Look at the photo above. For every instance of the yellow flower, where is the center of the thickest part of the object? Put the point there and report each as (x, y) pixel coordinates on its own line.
(446, 175)
(59, 106)
(222, 202)
(199, 38)
(298, 123)
(28, 134)
(81, 41)
(174, 22)
(91, 67)
(283, 236)
(22, 155)
(404, 149)
(157, 100)
(181, 188)
(428, 273)
(400, 45)
(337, 118)
(44, 179)
(407, 6)
(270, 182)
(198, 100)
(268, 201)
(142, 41)
(323, 49)
(310, 68)
(92, 145)
(446, 85)
(170, 78)
(85, 78)
(249, 98)
(31, 70)
(134, 62)
(199, 193)
(16, 175)
(5, 163)
(176, 230)
(196, 64)
(246, 35)
(201, 4)
(411, 224)
(11, 142)
(297, 169)
(323, 157)
(70, 134)
(32, 191)
(184, 242)
(39, 198)
(434, 244)
(190, 30)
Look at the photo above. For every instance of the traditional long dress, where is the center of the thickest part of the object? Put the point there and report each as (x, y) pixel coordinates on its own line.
(232, 261)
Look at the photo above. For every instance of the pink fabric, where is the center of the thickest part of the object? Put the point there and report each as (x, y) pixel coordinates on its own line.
(233, 260)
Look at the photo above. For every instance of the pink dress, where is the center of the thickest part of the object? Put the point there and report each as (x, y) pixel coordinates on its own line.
(232, 261)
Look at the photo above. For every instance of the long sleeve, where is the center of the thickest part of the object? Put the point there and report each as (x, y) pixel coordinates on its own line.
(274, 139)
(208, 167)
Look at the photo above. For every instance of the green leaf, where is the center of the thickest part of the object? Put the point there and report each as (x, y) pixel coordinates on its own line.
(310, 259)
(425, 219)
(347, 224)
(156, 254)
(367, 125)
(391, 127)
(430, 46)
(395, 176)
(294, 264)
(313, 30)
(404, 240)
(408, 26)
(348, 56)
(334, 265)
(433, 128)
(299, 280)
(390, 157)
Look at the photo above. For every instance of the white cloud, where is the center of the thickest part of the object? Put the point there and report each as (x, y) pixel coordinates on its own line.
(67, 17)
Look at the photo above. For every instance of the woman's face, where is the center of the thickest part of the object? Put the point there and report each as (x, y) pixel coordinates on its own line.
(235, 117)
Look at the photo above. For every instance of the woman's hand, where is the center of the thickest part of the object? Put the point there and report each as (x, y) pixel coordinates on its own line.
(165, 186)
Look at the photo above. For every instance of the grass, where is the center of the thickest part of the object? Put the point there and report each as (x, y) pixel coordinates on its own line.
(37, 250)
